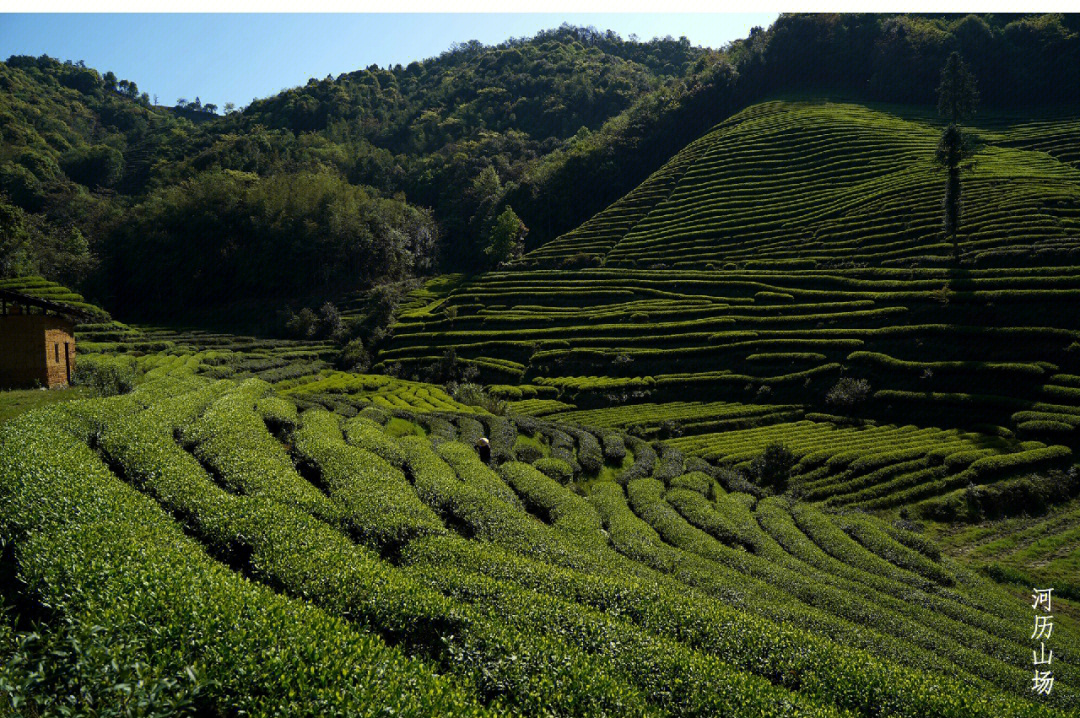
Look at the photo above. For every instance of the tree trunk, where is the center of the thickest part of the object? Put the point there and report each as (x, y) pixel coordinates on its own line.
(952, 209)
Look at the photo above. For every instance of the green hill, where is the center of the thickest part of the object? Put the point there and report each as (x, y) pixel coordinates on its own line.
(100, 190)
(820, 184)
(758, 444)
(98, 186)
(796, 244)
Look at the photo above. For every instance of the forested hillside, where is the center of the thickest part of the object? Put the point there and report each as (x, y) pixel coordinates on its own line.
(330, 187)
(415, 167)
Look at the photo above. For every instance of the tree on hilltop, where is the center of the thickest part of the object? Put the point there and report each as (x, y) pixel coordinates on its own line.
(957, 98)
(506, 239)
(957, 95)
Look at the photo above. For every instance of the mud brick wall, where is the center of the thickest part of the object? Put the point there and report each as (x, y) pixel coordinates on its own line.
(35, 349)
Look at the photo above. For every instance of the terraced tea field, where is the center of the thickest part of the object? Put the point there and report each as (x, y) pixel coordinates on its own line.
(795, 245)
(804, 184)
(1043, 548)
(250, 531)
(246, 556)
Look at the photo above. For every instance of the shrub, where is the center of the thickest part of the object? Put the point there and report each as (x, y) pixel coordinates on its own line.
(556, 469)
(104, 375)
(354, 357)
(303, 324)
(589, 454)
(365, 432)
(670, 428)
(94, 166)
(379, 503)
(614, 446)
(1031, 494)
(772, 467)
(475, 395)
(279, 414)
(331, 323)
(669, 465)
(527, 453)
(848, 392)
(20, 184)
(695, 481)
(581, 260)
(773, 297)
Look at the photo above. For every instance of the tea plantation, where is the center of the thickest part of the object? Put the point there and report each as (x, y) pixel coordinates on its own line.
(784, 278)
(200, 545)
(228, 525)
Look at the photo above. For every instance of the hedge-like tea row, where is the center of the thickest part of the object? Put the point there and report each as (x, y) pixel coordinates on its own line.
(380, 506)
(656, 607)
(779, 571)
(362, 432)
(102, 555)
(311, 560)
(270, 539)
(560, 507)
(678, 679)
(232, 439)
(535, 596)
(471, 470)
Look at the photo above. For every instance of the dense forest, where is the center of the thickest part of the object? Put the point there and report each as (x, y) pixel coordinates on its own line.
(457, 162)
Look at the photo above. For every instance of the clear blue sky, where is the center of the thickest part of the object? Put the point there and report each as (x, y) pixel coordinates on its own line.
(236, 58)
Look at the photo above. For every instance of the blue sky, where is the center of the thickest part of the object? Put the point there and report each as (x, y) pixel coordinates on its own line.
(235, 58)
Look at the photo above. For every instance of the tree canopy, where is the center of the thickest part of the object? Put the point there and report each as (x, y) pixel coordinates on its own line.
(957, 95)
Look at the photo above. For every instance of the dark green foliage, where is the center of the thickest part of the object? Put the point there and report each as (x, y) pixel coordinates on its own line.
(476, 395)
(555, 469)
(848, 392)
(1032, 495)
(957, 95)
(95, 166)
(772, 468)
(957, 98)
(506, 239)
(354, 357)
(735, 481)
(613, 446)
(276, 237)
(331, 324)
(21, 186)
(104, 375)
(695, 481)
(527, 453)
(14, 241)
(303, 324)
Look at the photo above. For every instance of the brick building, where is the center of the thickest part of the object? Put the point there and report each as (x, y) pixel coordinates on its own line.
(37, 341)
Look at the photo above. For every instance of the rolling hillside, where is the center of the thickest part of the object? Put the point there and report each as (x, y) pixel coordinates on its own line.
(240, 556)
(752, 441)
(796, 244)
(822, 184)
